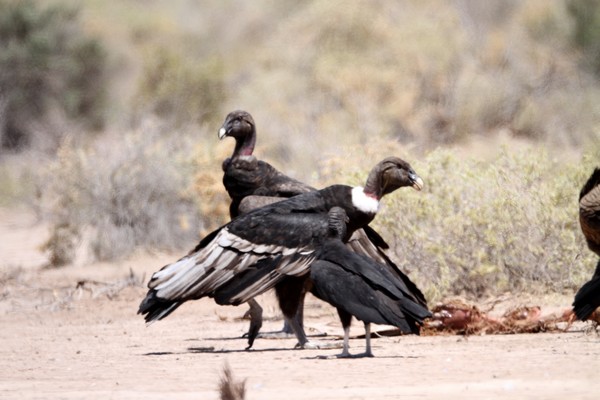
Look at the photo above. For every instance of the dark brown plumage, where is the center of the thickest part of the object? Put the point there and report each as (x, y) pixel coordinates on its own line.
(243, 174)
(252, 183)
(587, 298)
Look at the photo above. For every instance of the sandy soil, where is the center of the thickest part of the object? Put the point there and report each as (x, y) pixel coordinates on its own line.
(73, 333)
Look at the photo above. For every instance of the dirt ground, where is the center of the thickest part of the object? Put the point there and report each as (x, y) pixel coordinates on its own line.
(73, 333)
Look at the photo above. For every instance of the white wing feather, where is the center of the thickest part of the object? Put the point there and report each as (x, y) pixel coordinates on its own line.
(227, 255)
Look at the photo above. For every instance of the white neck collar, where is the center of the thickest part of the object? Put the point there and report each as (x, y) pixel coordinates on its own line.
(363, 202)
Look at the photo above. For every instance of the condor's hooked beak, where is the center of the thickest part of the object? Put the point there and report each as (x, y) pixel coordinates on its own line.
(417, 182)
(222, 132)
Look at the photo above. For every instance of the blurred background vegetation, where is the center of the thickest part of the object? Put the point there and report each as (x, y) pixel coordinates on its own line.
(109, 113)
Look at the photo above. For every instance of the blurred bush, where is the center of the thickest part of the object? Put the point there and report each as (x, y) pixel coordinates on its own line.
(328, 83)
(421, 72)
(49, 66)
(115, 197)
(211, 198)
(179, 88)
(17, 182)
(484, 228)
(586, 34)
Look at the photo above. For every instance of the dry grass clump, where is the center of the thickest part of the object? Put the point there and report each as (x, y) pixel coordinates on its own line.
(118, 195)
(229, 388)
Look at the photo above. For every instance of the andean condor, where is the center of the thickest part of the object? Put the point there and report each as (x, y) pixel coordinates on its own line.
(253, 183)
(243, 174)
(245, 177)
(273, 246)
(587, 298)
(358, 286)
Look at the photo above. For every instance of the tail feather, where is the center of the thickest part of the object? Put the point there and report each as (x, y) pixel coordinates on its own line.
(156, 308)
(405, 314)
(415, 310)
(363, 242)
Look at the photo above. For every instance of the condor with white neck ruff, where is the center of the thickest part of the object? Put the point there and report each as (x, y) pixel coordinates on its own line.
(256, 251)
(253, 183)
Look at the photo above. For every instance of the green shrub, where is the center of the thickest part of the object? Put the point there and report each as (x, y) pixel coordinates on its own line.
(48, 63)
(119, 195)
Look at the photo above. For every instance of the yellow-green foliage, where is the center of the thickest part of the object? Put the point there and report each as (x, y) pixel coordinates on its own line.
(482, 228)
(211, 198)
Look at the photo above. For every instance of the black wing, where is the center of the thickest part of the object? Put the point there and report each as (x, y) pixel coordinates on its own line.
(246, 176)
(365, 289)
(366, 242)
(241, 260)
(362, 242)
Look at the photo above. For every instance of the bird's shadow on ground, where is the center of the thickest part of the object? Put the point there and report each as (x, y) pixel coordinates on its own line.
(326, 358)
(212, 350)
